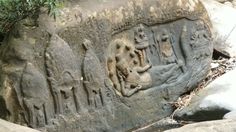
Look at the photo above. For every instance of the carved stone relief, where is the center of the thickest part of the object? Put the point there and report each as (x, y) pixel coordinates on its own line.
(100, 73)
(93, 75)
(130, 68)
(63, 76)
(36, 95)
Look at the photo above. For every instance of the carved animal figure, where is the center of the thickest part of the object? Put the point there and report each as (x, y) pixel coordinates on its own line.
(93, 75)
(63, 76)
(35, 97)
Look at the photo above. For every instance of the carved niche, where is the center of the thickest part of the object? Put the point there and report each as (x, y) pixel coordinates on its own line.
(153, 56)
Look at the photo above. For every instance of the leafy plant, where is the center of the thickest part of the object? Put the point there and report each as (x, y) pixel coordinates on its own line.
(11, 11)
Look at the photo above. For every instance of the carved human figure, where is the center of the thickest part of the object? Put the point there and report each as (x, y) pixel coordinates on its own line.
(185, 46)
(137, 78)
(63, 75)
(93, 75)
(199, 40)
(141, 44)
(123, 63)
(64, 90)
(166, 51)
(132, 81)
(35, 97)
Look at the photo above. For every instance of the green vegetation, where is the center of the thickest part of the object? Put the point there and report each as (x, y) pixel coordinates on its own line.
(12, 11)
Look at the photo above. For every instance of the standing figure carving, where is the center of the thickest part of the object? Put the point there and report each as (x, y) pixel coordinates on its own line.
(141, 45)
(167, 54)
(35, 97)
(93, 75)
(63, 76)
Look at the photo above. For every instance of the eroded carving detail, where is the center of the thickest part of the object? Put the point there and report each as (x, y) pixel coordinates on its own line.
(35, 97)
(127, 72)
(130, 67)
(155, 52)
(63, 76)
(141, 44)
(199, 42)
(93, 75)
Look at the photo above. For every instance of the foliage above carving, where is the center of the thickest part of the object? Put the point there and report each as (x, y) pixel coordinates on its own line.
(12, 11)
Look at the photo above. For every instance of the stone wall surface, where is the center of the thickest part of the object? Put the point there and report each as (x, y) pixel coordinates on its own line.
(104, 66)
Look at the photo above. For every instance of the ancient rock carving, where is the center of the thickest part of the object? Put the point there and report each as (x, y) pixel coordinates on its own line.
(186, 48)
(94, 78)
(200, 39)
(130, 76)
(35, 97)
(63, 76)
(127, 35)
(141, 44)
(167, 54)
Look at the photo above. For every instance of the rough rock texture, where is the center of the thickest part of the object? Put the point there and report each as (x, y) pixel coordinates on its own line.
(224, 27)
(104, 66)
(11, 127)
(214, 101)
(209, 126)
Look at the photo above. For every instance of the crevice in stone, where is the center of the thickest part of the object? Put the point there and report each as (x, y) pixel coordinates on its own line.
(1, 38)
(204, 115)
(219, 54)
(3, 111)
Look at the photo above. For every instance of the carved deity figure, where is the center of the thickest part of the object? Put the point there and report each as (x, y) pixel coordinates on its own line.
(167, 54)
(63, 75)
(130, 75)
(35, 97)
(93, 75)
(141, 44)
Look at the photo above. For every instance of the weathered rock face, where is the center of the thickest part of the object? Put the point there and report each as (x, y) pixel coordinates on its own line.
(113, 67)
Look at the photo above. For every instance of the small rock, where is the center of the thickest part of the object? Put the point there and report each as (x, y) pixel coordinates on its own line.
(227, 3)
(215, 65)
